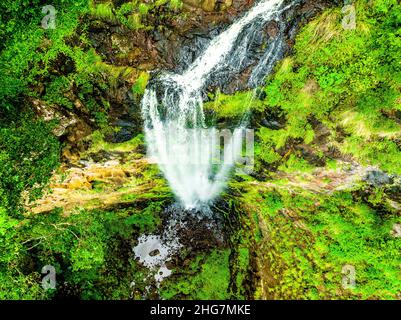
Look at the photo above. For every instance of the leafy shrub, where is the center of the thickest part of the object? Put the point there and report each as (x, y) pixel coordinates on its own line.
(28, 155)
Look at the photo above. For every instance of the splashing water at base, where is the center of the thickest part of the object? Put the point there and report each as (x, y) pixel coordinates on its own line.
(153, 252)
(172, 109)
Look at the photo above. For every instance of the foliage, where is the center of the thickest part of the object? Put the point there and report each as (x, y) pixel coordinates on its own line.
(28, 155)
(13, 283)
(140, 84)
(235, 106)
(207, 279)
(340, 90)
(84, 247)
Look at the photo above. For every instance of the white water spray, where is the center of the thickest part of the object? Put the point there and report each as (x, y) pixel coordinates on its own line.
(172, 109)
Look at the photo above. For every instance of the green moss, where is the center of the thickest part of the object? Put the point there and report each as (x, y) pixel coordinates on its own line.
(143, 9)
(381, 152)
(311, 237)
(207, 278)
(226, 106)
(141, 83)
(295, 164)
(132, 14)
(103, 11)
(98, 143)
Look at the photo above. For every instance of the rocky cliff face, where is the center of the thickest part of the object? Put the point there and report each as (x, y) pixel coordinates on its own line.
(171, 42)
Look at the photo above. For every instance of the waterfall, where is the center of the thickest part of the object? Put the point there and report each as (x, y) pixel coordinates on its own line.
(172, 108)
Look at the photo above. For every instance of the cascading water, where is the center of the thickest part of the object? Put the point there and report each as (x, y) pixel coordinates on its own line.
(172, 109)
(177, 135)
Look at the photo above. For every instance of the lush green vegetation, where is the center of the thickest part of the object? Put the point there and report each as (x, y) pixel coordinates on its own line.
(58, 67)
(335, 100)
(337, 96)
(348, 80)
(206, 278)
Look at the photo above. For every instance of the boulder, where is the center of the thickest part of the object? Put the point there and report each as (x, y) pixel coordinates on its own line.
(377, 178)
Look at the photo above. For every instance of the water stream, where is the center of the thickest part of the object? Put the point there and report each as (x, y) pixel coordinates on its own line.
(172, 109)
(177, 137)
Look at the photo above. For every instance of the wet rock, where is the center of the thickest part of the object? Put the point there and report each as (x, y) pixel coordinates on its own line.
(184, 234)
(270, 118)
(199, 230)
(180, 42)
(124, 123)
(170, 265)
(279, 36)
(271, 124)
(272, 29)
(377, 178)
(128, 121)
